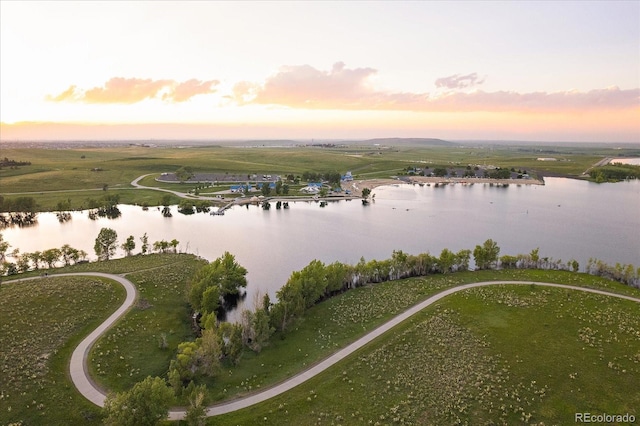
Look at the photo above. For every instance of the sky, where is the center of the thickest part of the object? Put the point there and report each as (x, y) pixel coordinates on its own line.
(541, 71)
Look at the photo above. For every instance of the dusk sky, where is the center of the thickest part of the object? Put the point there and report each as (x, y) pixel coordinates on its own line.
(541, 71)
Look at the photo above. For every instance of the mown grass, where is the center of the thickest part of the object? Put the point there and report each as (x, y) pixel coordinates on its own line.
(41, 321)
(496, 355)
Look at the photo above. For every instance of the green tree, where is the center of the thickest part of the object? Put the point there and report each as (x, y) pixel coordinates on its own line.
(265, 189)
(230, 341)
(36, 258)
(256, 329)
(23, 263)
(365, 193)
(4, 246)
(184, 174)
(106, 243)
(146, 404)
(196, 414)
(290, 305)
(224, 274)
(145, 243)
(486, 256)
(165, 201)
(446, 260)
(51, 256)
(69, 254)
(462, 260)
(129, 245)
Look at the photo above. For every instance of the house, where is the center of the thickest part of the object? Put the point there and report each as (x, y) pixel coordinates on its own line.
(347, 177)
(312, 188)
(240, 188)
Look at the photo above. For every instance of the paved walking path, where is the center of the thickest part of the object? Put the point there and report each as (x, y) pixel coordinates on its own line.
(84, 384)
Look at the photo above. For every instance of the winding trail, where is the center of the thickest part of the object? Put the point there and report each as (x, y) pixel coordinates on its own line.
(79, 370)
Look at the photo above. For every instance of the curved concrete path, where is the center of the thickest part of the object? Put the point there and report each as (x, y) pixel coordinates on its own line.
(84, 384)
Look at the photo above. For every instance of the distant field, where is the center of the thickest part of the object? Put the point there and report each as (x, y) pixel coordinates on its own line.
(88, 168)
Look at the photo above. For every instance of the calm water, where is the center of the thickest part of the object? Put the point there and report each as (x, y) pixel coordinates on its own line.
(634, 161)
(565, 219)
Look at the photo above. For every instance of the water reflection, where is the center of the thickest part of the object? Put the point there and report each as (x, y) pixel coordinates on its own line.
(566, 219)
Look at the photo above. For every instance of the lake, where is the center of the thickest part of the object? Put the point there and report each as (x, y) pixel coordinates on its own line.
(632, 161)
(565, 218)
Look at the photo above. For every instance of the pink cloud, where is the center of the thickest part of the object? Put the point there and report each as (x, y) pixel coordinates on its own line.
(307, 87)
(349, 89)
(182, 92)
(119, 90)
(459, 81)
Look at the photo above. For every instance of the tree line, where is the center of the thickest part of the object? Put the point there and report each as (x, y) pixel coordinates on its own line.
(105, 247)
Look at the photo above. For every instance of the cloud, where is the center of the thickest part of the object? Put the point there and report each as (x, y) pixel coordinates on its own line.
(457, 81)
(350, 89)
(184, 91)
(119, 90)
(67, 95)
(305, 86)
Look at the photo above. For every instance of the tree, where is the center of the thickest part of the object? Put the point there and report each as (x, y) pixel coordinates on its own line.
(174, 245)
(36, 258)
(365, 193)
(147, 403)
(446, 260)
(51, 256)
(145, 243)
(224, 274)
(23, 262)
(265, 189)
(256, 329)
(184, 173)
(166, 201)
(129, 245)
(230, 340)
(4, 246)
(68, 254)
(290, 305)
(196, 414)
(486, 256)
(106, 243)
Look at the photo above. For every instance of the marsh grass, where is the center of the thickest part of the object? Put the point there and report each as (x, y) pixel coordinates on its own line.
(41, 321)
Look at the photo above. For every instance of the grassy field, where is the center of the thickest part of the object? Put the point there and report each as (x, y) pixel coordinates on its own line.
(144, 342)
(487, 335)
(41, 321)
(498, 355)
(92, 168)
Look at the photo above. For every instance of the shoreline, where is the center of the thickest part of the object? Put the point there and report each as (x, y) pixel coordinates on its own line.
(356, 186)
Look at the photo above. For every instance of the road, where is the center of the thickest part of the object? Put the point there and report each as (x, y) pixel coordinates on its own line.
(79, 370)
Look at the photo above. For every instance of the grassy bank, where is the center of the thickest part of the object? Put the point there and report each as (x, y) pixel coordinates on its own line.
(500, 355)
(492, 335)
(41, 321)
(143, 342)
